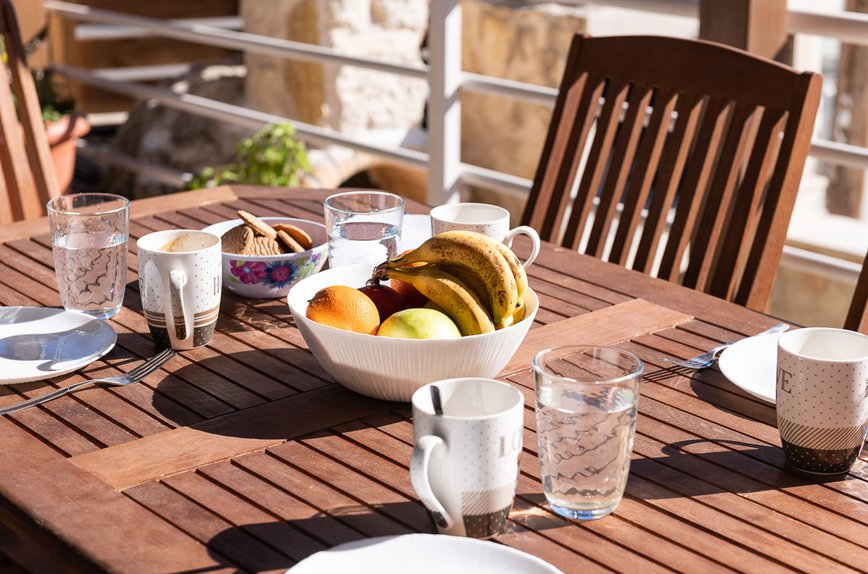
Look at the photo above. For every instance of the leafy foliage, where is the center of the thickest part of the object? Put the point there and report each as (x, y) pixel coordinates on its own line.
(271, 156)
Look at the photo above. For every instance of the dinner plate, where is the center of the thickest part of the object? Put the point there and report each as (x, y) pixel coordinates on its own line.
(422, 554)
(42, 342)
(750, 365)
(415, 229)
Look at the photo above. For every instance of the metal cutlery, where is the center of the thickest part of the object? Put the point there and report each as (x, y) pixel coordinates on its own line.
(706, 359)
(134, 376)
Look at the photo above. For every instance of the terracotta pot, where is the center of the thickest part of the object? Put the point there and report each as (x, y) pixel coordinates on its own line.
(62, 136)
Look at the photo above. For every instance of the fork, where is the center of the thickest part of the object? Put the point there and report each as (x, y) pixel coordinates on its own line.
(706, 359)
(134, 376)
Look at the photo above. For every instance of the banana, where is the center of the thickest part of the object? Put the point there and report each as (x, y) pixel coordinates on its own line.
(517, 315)
(451, 294)
(473, 252)
(515, 265)
(512, 260)
(470, 279)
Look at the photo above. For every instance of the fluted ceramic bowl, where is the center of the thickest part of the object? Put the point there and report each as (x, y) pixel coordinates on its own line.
(392, 369)
(271, 276)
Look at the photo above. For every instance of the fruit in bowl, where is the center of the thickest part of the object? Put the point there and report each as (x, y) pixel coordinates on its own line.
(269, 267)
(493, 320)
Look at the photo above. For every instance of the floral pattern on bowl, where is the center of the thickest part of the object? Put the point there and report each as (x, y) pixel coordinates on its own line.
(271, 276)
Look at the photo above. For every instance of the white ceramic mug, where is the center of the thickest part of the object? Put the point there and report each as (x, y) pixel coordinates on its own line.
(465, 461)
(822, 398)
(490, 220)
(180, 279)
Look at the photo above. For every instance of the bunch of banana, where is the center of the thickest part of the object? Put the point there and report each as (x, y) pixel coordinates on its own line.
(477, 281)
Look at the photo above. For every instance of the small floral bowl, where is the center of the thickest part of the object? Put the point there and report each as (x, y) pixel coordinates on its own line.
(271, 276)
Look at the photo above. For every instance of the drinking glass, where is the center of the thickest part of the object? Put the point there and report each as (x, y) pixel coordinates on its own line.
(586, 399)
(89, 234)
(363, 227)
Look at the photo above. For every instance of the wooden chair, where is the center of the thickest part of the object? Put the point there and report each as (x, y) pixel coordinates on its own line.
(705, 136)
(857, 316)
(28, 180)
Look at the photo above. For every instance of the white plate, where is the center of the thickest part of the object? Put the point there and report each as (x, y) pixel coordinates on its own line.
(42, 342)
(422, 554)
(415, 229)
(750, 365)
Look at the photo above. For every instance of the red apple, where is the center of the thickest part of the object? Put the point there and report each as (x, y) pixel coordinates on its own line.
(386, 299)
(411, 295)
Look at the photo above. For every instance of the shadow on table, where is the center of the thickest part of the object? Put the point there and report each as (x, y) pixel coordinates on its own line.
(289, 404)
(280, 544)
(712, 387)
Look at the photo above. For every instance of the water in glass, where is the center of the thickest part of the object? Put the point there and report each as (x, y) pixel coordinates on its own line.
(91, 271)
(368, 242)
(585, 441)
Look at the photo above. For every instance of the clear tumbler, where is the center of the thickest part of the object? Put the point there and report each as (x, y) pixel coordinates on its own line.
(586, 401)
(89, 234)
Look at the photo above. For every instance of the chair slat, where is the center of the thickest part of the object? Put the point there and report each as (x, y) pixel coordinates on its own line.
(28, 171)
(717, 171)
(704, 246)
(857, 315)
(615, 95)
(689, 109)
(619, 167)
(741, 229)
(696, 181)
(644, 168)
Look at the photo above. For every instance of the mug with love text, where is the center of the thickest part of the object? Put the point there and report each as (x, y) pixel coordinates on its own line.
(180, 280)
(490, 220)
(465, 460)
(822, 398)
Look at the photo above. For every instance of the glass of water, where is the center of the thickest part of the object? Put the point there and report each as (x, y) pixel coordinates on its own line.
(89, 234)
(586, 399)
(363, 227)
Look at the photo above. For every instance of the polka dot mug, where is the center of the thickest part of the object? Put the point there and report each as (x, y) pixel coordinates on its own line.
(822, 398)
(180, 280)
(490, 220)
(465, 460)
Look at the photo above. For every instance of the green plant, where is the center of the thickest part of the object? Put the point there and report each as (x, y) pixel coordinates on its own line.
(53, 96)
(271, 156)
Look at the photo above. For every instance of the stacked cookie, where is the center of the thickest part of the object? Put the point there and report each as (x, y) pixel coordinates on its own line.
(255, 237)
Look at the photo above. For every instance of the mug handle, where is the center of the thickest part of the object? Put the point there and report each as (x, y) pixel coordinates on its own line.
(177, 281)
(534, 237)
(419, 468)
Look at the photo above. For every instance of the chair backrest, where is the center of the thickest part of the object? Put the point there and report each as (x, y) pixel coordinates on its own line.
(28, 180)
(857, 317)
(700, 138)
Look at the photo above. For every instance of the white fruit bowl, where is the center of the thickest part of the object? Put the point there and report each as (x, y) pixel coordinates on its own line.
(271, 276)
(392, 369)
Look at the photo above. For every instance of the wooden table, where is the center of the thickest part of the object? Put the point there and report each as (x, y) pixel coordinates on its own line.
(245, 455)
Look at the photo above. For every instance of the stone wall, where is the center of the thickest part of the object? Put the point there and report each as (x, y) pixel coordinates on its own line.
(345, 98)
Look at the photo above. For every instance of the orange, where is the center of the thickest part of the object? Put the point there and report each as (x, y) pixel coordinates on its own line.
(344, 308)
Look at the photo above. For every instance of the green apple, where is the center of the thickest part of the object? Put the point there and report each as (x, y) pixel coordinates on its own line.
(419, 323)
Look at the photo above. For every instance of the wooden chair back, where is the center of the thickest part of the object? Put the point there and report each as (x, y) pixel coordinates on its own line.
(857, 316)
(700, 138)
(28, 180)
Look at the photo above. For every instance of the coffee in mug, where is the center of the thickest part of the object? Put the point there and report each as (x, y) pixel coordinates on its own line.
(490, 220)
(465, 460)
(822, 398)
(180, 280)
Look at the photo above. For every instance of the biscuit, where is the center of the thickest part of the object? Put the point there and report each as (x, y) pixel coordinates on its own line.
(289, 241)
(259, 226)
(262, 245)
(236, 239)
(298, 234)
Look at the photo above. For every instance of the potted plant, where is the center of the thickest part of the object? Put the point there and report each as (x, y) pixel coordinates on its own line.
(63, 125)
(271, 156)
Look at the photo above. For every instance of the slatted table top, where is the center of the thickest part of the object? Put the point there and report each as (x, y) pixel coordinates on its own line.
(246, 456)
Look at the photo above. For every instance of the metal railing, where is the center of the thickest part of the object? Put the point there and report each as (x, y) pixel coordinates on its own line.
(444, 75)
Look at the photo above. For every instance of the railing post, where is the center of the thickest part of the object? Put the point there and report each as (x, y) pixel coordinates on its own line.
(757, 26)
(444, 105)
